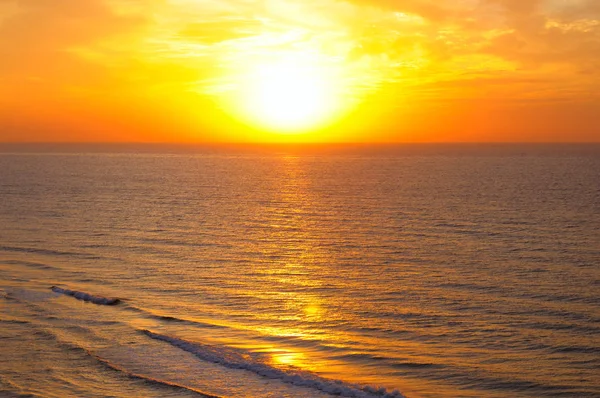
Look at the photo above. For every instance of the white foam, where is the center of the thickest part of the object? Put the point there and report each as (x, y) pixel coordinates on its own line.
(234, 360)
(86, 296)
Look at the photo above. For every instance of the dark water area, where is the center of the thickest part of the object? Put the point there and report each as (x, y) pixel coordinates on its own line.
(300, 271)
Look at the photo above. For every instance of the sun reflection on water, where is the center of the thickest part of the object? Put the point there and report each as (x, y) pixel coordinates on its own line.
(290, 283)
(289, 358)
(294, 316)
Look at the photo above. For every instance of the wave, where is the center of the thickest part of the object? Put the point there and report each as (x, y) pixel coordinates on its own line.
(577, 349)
(8, 389)
(48, 252)
(86, 296)
(29, 264)
(14, 321)
(11, 394)
(50, 335)
(148, 379)
(389, 361)
(235, 360)
(171, 319)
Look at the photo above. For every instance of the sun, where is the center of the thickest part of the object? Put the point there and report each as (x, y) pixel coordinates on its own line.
(290, 96)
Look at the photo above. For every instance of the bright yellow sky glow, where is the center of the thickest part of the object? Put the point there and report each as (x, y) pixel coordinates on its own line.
(289, 97)
(292, 70)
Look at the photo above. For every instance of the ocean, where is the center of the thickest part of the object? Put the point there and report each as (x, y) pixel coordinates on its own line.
(312, 271)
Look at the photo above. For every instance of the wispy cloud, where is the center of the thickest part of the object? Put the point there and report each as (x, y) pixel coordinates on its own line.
(150, 51)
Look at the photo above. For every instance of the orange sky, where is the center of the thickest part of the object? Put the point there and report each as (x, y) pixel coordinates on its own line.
(326, 70)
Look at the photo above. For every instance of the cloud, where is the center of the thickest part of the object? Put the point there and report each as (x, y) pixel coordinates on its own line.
(213, 32)
(57, 24)
(165, 51)
(37, 40)
(532, 28)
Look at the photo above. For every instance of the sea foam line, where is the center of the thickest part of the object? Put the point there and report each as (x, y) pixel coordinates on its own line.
(234, 360)
(86, 296)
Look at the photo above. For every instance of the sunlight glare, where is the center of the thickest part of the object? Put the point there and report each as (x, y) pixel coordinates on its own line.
(288, 358)
(290, 96)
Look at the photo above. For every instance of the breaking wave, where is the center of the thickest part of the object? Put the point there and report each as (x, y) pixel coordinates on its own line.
(86, 296)
(234, 360)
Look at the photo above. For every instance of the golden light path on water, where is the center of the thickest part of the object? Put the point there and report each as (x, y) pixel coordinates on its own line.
(306, 311)
(238, 271)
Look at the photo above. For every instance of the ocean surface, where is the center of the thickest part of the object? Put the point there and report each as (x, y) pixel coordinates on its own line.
(353, 271)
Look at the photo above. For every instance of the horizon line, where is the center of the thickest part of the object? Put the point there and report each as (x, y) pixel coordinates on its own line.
(271, 143)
